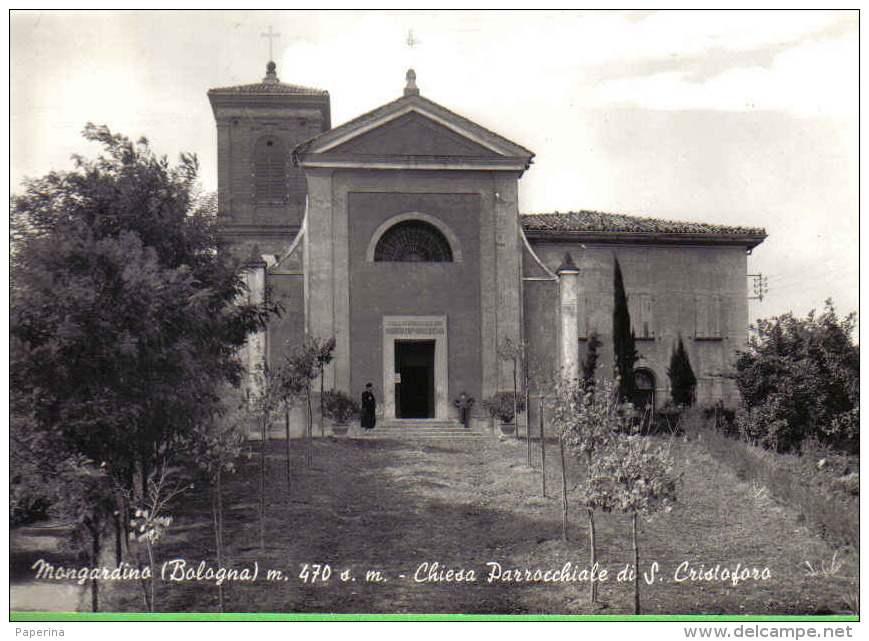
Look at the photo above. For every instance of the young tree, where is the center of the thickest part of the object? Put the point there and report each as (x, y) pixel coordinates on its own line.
(682, 379)
(305, 366)
(325, 351)
(215, 446)
(624, 345)
(263, 403)
(83, 494)
(151, 520)
(588, 419)
(293, 376)
(508, 350)
(635, 476)
(800, 378)
(123, 319)
(543, 379)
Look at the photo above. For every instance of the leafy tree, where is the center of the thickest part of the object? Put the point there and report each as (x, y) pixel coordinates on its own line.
(799, 379)
(624, 344)
(83, 494)
(636, 476)
(682, 379)
(30, 492)
(123, 320)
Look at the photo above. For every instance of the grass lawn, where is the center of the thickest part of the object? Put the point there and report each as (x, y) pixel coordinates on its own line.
(392, 505)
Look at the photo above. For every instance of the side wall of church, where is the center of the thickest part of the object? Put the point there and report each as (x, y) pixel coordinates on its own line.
(698, 292)
(287, 331)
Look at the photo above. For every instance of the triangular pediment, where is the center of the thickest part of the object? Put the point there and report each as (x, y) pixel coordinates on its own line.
(413, 134)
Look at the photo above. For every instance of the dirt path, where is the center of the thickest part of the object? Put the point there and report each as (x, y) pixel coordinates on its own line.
(26, 546)
(392, 507)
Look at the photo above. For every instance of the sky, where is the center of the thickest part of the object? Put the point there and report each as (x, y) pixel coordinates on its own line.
(738, 118)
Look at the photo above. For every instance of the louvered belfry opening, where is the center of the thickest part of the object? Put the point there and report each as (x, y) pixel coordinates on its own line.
(271, 180)
(413, 241)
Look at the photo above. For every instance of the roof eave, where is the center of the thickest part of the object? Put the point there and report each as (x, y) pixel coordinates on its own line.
(749, 241)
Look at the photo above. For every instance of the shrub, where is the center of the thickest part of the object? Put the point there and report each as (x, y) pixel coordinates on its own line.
(724, 417)
(500, 405)
(340, 406)
(844, 430)
(668, 419)
(800, 379)
(762, 426)
(587, 418)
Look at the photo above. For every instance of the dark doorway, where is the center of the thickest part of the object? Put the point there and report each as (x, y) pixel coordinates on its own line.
(414, 394)
(644, 392)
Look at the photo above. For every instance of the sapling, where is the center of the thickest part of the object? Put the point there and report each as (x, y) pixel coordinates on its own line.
(215, 447)
(636, 476)
(151, 521)
(508, 350)
(588, 417)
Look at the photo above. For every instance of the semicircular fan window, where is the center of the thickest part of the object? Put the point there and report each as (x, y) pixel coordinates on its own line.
(413, 241)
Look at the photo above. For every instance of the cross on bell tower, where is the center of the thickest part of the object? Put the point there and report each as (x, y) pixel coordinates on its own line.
(271, 35)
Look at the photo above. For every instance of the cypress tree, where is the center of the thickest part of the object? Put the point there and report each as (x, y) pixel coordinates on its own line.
(589, 365)
(623, 338)
(682, 379)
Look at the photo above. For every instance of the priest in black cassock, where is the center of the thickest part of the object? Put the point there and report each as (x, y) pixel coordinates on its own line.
(369, 404)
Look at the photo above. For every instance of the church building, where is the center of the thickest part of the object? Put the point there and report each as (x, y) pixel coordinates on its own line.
(400, 234)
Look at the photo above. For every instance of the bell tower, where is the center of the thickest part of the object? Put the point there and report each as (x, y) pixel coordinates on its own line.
(261, 194)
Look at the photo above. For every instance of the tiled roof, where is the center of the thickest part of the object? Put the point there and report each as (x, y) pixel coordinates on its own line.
(594, 221)
(270, 88)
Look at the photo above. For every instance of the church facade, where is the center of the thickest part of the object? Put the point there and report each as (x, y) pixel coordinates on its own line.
(400, 235)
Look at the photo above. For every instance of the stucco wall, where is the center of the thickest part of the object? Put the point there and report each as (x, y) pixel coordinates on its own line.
(696, 291)
(490, 252)
(379, 288)
(287, 330)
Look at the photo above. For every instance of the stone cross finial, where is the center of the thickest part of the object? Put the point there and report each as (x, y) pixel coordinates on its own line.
(271, 35)
(411, 89)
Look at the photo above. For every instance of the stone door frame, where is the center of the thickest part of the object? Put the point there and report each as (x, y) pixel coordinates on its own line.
(412, 327)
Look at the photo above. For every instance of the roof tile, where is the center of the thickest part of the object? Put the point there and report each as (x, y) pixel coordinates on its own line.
(269, 88)
(594, 221)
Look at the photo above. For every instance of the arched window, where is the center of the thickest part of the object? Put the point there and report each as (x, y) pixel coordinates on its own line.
(413, 241)
(270, 170)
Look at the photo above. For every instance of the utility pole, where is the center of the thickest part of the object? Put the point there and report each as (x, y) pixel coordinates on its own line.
(760, 286)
